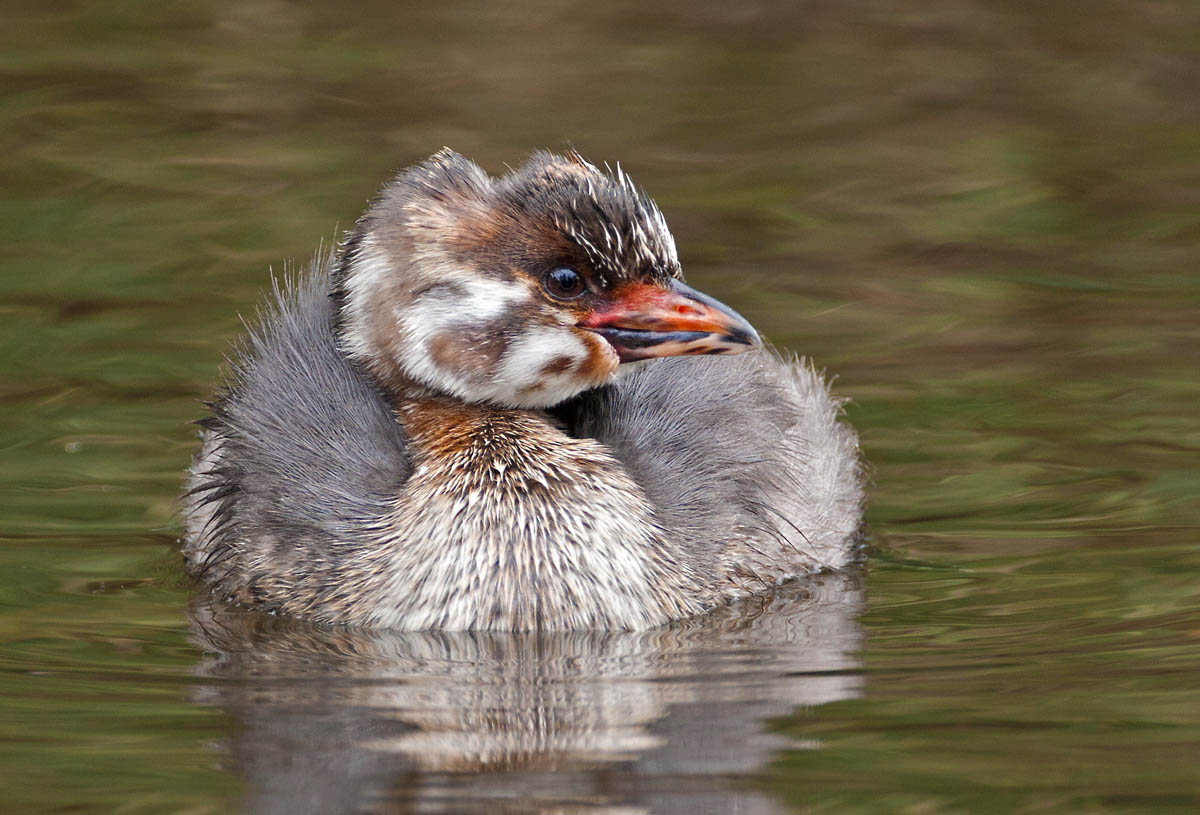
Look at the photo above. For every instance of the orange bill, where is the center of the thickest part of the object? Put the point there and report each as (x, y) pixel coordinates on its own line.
(644, 320)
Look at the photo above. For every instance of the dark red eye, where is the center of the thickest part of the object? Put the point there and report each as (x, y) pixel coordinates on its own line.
(564, 283)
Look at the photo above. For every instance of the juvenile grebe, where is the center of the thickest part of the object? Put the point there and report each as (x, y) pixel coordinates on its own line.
(442, 425)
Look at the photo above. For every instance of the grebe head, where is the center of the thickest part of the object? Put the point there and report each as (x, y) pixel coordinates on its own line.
(521, 291)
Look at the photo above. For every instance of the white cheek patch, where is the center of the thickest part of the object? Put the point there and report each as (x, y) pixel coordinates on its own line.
(466, 302)
(364, 280)
(523, 370)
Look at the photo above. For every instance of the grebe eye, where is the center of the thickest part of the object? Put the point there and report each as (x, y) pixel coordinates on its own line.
(564, 283)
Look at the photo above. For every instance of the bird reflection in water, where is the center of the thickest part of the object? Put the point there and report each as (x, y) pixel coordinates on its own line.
(664, 721)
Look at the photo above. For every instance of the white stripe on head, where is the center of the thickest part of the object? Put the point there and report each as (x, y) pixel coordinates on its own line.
(465, 300)
(368, 270)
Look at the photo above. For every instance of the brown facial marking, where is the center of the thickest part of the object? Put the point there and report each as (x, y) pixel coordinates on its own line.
(449, 350)
(558, 365)
(599, 364)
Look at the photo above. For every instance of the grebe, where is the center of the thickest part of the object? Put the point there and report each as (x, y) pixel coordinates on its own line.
(498, 406)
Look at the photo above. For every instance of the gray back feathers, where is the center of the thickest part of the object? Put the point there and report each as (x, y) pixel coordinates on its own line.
(743, 457)
(301, 449)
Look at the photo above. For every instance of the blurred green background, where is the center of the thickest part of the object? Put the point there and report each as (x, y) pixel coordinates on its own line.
(982, 215)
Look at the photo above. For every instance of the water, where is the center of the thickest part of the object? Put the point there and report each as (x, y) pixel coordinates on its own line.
(982, 216)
